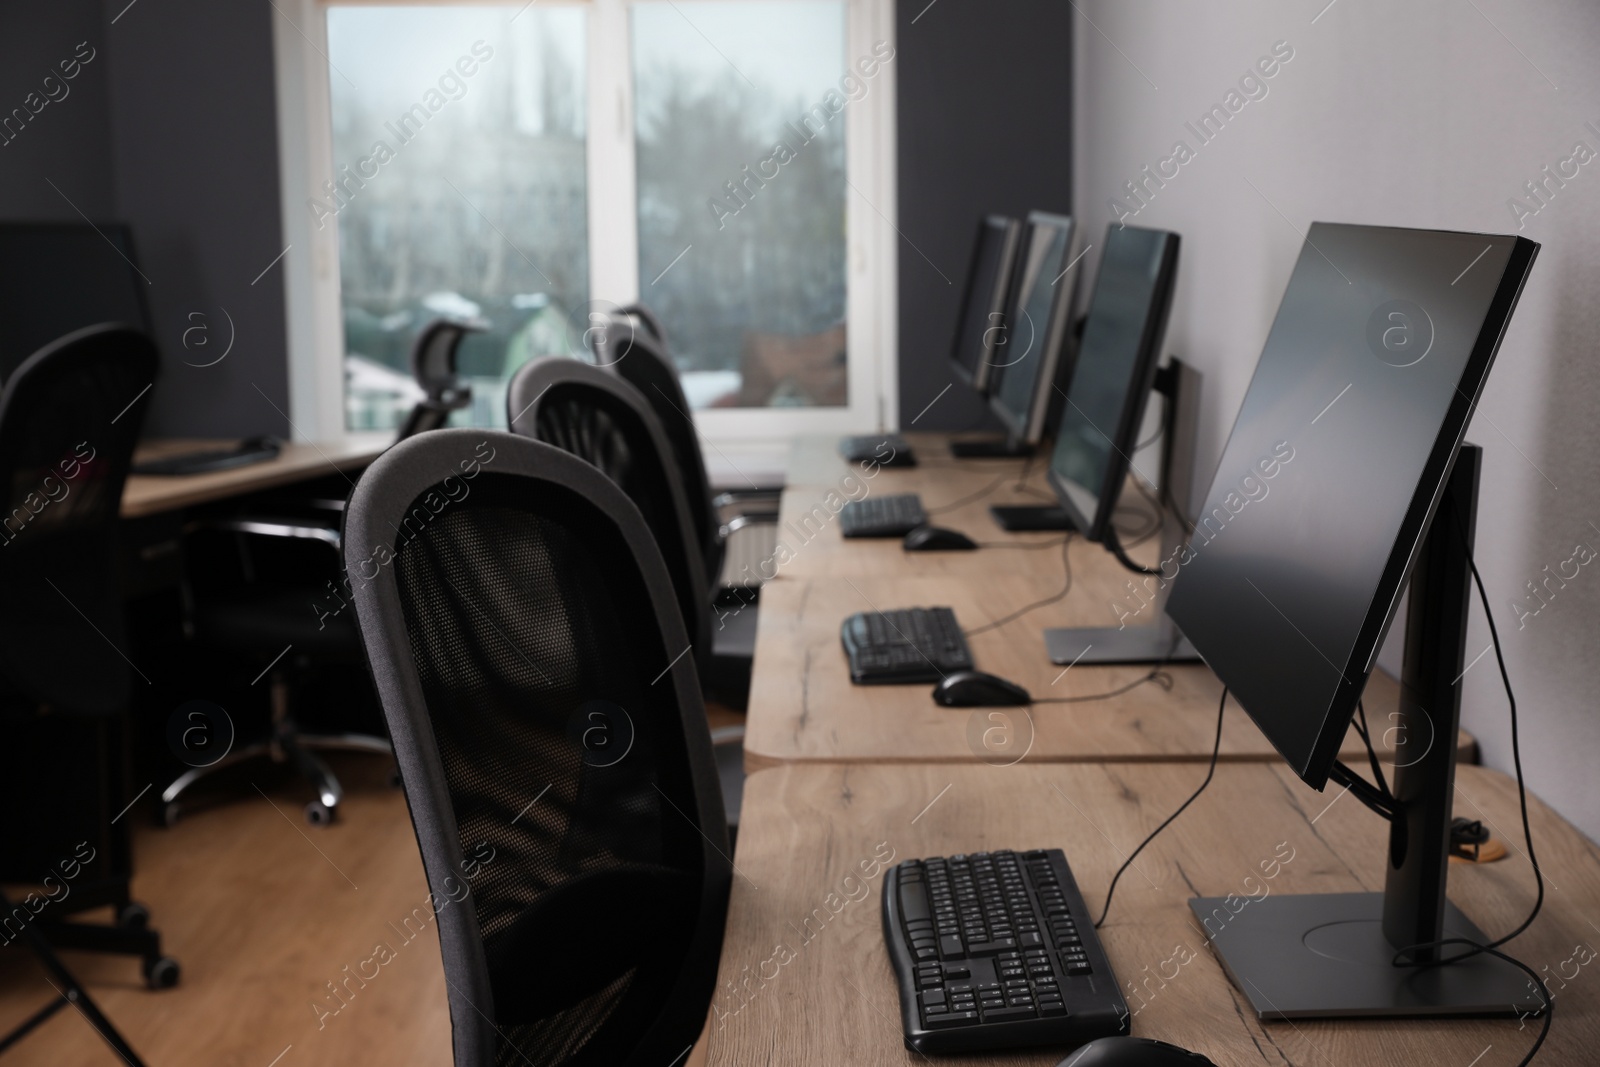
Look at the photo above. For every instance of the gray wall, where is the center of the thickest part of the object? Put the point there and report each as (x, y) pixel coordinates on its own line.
(195, 154)
(984, 95)
(1420, 114)
(68, 141)
(170, 127)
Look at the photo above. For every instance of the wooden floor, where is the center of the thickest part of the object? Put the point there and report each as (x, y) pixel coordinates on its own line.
(261, 910)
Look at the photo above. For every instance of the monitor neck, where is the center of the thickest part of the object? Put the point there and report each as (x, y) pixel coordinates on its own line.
(1429, 716)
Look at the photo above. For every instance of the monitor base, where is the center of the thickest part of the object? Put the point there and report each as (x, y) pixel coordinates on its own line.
(1133, 644)
(999, 448)
(1324, 956)
(1024, 518)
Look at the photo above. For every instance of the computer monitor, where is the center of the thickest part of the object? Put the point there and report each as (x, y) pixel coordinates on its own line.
(60, 277)
(1038, 320)
(1344, 478)
(1098, 429)
(1112, 375)
(981, 328)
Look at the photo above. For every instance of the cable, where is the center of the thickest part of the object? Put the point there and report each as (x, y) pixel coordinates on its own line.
(1549, 1010)
(1116, 548)
(970, 497)
(1210, 770)
(1066, 565)
(1372, 755)
(1157, 675)
(1406, 956)
(1516, 752)
(1025, 545)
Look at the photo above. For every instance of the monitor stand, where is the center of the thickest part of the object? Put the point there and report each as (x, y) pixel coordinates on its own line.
(1158, 643)
(1318, 956)
(992, 448)
(1032, 518)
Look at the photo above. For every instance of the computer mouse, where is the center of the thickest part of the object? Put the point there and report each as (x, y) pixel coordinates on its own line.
(1133, 1052)
(974, 689)
(937, 539)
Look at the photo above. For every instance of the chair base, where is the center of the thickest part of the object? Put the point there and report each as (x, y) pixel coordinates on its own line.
(287, 745)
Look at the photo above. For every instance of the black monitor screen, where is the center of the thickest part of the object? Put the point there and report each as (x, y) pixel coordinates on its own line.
(981, 328)
(1111, 376)
(1034, 322)
(1339, 452)
(56, 278)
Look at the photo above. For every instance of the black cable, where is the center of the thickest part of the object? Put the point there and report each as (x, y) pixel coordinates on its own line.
(1516, 752)
(1406, 956)
(970, 497)
(1157, 674)
(1066, 565)
(1210, 770)
(1026, 545)
(1549, 1009)
(1372, 754)
(1117, 550)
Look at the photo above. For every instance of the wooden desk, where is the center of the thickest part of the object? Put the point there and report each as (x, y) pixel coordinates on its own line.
(804, 707)
(805, 829)
(814, 460)
(150, 494)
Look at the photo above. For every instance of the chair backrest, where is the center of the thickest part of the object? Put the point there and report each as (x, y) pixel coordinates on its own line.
(433, 364)
(69, 419)
(642, 361)
(602, 419)
(647, 319)
(552, 742)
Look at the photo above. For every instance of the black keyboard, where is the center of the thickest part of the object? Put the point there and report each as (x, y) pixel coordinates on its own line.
(884, 449)
(997, 950)
(894, 515)
(904, 645)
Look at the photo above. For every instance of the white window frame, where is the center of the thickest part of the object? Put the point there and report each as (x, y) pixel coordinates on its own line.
(311, 265)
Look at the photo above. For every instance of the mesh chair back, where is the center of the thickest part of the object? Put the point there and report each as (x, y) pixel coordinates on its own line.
(641, 360)
(69, 418)
(553, 746)
(647, 319)
(433, 364)
(602, 419)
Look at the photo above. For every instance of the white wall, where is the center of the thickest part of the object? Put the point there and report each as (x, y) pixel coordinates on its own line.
(1431, 113)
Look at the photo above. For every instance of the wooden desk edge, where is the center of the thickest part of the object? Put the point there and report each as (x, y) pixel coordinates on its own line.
(153, 494)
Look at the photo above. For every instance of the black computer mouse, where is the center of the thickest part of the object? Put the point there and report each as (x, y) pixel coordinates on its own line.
(937, 539)
(974, 689)
(1133, 1052)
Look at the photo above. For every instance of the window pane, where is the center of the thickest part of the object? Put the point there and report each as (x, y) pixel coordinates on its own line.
(458, 147)
(741, 176)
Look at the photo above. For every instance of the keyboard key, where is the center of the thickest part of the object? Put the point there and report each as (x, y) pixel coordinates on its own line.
(949, 1019)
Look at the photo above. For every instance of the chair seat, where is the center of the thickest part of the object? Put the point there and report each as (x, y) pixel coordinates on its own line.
(272, 618)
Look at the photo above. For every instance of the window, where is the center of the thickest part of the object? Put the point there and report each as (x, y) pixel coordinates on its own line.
(726, 162)
(468, 196)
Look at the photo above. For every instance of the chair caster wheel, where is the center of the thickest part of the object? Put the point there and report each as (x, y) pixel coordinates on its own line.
(133, 916)
(161, 972)
(169, 814)
(318, 813)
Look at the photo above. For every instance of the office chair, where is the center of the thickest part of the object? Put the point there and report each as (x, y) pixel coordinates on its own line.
(736, 531)
(634, 347)
(595, 416)
(260, 611)
(70, 416)
(433, 363)
(526, 644)
(602, 419)
(267, 606)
